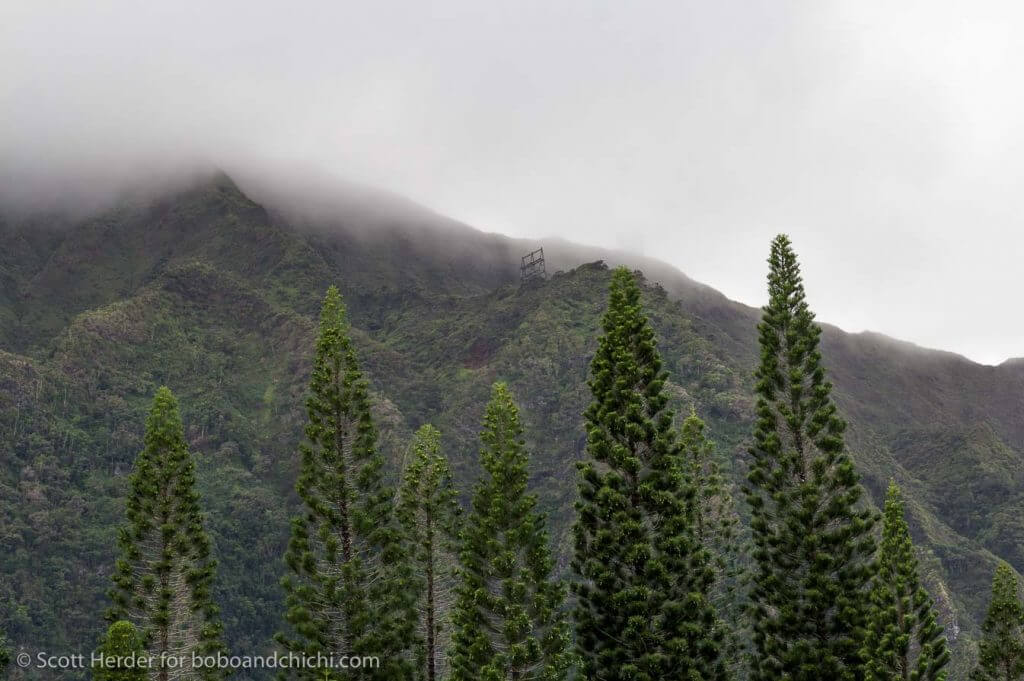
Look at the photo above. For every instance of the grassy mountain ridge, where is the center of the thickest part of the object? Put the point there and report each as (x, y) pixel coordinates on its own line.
(216, 296)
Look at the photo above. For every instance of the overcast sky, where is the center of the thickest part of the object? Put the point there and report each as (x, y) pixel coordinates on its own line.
(884, 137)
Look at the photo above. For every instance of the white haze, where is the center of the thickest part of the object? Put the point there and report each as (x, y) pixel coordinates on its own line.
(882, 136)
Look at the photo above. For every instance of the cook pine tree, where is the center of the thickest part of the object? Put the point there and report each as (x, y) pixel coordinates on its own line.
(430, 515)
(904, 639)
(349, 586)
(717, 526)
(1001, 648)
(643, 576)
(163, 577)
(508, 617)
(119, 654)
(812, 535)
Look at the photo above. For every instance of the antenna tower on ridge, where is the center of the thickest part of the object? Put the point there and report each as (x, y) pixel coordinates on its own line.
(532, 266)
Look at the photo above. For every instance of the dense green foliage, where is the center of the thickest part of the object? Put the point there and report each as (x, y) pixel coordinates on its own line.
(904, 641)
(508, 617)
(163, 578)
(430, 515)
(642, 611)
(205, 291)
(812, 540)
(717, 525)
(348, 591)
(1001, 654)
(121, 654)
(5, 653)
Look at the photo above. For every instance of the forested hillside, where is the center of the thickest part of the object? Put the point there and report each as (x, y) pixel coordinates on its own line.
(216, 296)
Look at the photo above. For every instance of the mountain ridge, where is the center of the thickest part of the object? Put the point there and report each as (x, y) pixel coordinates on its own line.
(395, 212)
(216, 295)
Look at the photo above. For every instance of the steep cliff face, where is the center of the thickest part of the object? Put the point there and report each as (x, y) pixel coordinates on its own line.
(215, 295)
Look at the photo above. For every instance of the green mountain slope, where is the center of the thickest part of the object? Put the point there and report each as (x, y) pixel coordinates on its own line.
(214, 295)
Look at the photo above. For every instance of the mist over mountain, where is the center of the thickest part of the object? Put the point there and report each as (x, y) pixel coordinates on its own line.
(882, 139)
(211, 287)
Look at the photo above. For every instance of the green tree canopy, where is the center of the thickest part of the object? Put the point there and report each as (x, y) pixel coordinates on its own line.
(163, 578)
(718, 530)
(904, 640)
(349, 590)
(122, 654)
(5, 653)
(508, 615)
(429, 511)
(643, 611)
(1001, 649)
(812, 536)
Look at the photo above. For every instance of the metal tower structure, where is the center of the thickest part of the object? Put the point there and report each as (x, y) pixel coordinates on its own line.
(532, 266)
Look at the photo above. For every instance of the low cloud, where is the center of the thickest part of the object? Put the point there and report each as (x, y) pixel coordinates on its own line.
(882, 137)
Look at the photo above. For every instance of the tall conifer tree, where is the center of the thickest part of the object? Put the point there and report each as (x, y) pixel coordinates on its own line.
(718, 530)
(1001, 649)
(122, 654)
(350, 588)
(813, 542)
(643, 611)
(508, 614)
(429, 511)
(904, 640)
(163, 578)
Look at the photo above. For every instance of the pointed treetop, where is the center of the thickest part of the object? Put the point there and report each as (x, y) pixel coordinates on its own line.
(624, 298)
(427, 479)
(1001, 648)
(623, 279)
(784, 269)
(502, 434)
(509, 618)
(693, 423)
(426, 444)
(429, 511)
(164, 539)
(346, 588)
(903, 639)
(333, 314)
(164, 428)
(804, 494)
(121, 652)
(627, 366)
(894, 502)
(163, 395)
(895, 533)
(334, 349)
(642, 594)
(164, 407)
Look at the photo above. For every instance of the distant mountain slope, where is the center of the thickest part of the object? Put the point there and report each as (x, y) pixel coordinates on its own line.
(216, 296)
